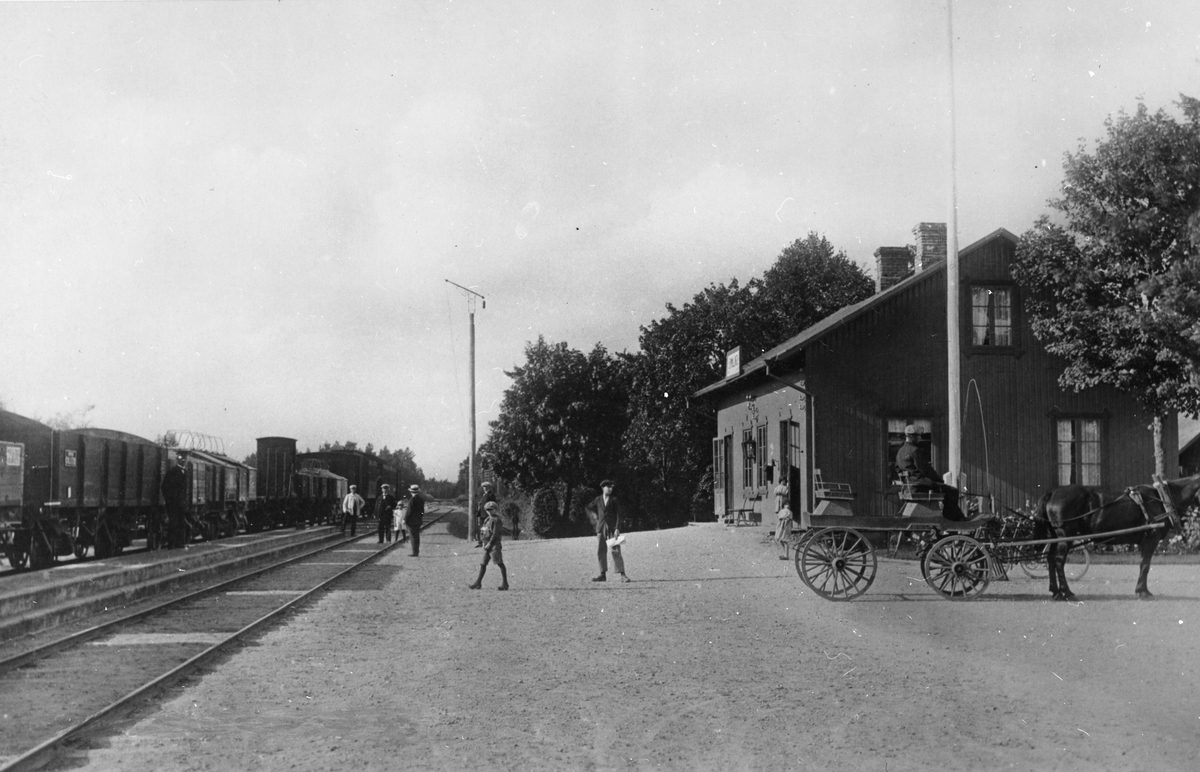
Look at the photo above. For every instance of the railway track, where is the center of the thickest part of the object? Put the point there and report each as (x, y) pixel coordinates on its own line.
(56, 694)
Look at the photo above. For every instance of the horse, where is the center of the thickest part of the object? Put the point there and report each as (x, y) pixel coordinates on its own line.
(1074, 510)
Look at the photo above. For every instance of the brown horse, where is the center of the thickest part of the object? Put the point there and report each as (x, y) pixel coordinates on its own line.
(1088, 514)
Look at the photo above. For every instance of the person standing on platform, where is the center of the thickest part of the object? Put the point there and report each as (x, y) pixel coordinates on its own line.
(352, 505)
(481, 515)
(783, 517)
(174, 493)
(398, 521)
(414, 516)
(491, 531)
(605, 511)
(385, 507)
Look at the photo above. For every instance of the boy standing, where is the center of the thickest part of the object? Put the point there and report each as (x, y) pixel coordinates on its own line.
(490, 533)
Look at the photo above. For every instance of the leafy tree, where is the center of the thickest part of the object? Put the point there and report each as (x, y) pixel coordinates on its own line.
(669, 439)
(561, 421)
(251, 460)
(1113, 289)
(810, 280)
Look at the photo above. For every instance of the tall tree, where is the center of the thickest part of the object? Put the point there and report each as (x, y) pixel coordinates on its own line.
(809, 281)
(561, 420)
(1113, 288)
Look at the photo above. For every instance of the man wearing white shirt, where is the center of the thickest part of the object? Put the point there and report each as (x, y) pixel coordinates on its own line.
(352, 507)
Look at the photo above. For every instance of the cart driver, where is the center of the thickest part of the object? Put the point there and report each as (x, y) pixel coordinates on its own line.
(917, 471)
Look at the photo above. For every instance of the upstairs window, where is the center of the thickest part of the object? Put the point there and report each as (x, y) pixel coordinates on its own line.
(991, 316)
(1078, 451)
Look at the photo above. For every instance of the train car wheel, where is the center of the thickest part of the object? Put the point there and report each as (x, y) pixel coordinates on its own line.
(17, 556)
(79, 547)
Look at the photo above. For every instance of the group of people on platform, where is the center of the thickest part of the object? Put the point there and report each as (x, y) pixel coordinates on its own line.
(404, 521)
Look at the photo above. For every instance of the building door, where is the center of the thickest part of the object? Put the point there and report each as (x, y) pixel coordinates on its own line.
(728, 458)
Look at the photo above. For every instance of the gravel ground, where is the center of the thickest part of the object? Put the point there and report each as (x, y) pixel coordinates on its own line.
(715, 657)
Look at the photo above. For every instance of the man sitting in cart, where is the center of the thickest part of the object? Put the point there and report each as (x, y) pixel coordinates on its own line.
(916, 470)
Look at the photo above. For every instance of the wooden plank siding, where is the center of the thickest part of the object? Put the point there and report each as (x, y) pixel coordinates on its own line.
(888, 360)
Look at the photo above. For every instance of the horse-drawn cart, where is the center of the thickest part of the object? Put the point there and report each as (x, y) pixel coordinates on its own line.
(838, 561)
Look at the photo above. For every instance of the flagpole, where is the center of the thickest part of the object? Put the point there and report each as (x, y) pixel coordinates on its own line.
(953, 349)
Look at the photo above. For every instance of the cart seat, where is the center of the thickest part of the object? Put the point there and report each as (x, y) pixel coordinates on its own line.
(832, 497)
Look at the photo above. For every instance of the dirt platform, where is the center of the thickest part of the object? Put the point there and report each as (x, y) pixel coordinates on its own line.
(715, 657)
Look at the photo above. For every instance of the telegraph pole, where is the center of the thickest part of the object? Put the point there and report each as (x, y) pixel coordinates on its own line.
(471, 295)
(953, 355)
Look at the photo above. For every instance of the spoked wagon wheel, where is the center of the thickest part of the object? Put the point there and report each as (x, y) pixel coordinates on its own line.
(836, 563)
(957, 567)
(1078, 561)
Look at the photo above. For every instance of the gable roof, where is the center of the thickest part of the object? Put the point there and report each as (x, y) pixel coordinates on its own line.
(796, 344)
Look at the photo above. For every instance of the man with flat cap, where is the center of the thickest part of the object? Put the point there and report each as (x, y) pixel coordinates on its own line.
(605, 512)
(915, 468)
(413, 517)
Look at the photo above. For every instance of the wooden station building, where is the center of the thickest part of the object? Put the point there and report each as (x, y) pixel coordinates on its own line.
(830, 404)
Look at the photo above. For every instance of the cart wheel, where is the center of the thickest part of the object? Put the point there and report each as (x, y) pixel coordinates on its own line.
(957, 567)
(1078, 561)
(836, 563)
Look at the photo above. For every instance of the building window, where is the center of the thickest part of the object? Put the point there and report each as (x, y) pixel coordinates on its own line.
(761, 450)
(1078, 454)
(895, 440)
(747, 460)
(718, 464)
(991, 316)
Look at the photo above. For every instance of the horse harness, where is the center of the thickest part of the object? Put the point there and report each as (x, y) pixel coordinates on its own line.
(1169, 513)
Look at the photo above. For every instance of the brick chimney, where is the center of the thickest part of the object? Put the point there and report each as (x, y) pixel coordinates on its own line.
(892, 266)
(931, 245)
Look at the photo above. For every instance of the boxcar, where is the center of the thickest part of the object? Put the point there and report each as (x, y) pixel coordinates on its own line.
(219, 493)
(294, 490)
(81, 489)
(365, 470)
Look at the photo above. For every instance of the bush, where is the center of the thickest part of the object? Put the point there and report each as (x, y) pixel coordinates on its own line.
(545, 512)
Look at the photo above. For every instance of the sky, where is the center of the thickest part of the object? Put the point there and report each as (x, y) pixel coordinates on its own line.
(240, 219)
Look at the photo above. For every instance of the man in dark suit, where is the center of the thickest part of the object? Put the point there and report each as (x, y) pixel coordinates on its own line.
(384, 507)
(605, 512)
(414, 516)
(175, 494)
(915, 469)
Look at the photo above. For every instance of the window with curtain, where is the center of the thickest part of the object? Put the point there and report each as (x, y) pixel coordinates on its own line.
(1078, 441)
(991, 316)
